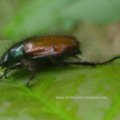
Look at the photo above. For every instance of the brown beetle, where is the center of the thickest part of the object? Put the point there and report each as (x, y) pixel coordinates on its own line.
(36, 52)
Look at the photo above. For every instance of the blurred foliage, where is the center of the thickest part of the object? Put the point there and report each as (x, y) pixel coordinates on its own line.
(8, 9)
(41, 16)
(31, 17)
(94, 11)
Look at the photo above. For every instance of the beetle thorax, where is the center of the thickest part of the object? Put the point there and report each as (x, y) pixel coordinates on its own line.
(12, 56)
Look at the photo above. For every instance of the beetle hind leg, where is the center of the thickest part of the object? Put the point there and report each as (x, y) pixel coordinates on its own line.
(80, 63)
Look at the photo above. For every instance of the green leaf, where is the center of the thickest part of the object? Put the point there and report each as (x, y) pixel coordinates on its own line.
(47, 100)
(44, 17)
(59, 91)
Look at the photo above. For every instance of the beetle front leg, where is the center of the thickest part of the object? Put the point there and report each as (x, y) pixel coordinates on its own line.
(5, 73)
(1, 76)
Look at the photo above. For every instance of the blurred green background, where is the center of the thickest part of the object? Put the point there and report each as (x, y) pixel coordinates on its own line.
(96, 24)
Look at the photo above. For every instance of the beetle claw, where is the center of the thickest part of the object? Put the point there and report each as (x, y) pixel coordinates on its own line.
(28, 83)
(5, 73)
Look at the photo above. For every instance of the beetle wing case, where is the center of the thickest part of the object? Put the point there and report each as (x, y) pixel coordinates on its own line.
(51, 46)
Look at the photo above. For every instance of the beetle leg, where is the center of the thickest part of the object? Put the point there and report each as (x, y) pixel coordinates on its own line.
(17, 65)
(28, 65)
(8, 70)
(92, 63)
(30, 79)
(53, 61)
(77, 57)
(80, 63)
(5, 73)
(1, 76)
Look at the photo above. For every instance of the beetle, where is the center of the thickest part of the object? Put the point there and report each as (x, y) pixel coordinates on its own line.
(35, 52)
